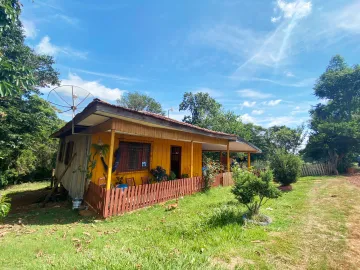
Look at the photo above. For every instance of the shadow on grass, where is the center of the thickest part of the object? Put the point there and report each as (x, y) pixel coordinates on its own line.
(52, 214)
(20, 199)
(26, 209)
(225, 215)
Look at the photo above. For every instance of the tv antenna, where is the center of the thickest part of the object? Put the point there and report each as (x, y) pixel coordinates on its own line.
(69, 99)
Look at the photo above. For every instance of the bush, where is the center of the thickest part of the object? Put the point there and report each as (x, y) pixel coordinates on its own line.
(172, 176)
(159, 173)
(253, 191)
(4, 206)
(286, 167)
(212, 168)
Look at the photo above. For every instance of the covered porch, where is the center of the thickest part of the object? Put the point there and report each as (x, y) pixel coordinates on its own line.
(233, 147)
(139, 142)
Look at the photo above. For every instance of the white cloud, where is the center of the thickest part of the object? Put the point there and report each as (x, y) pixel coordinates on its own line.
(94, 87)
(302, 83)
(284, 120)
(324, 100)
(212, 92)
(274, 120)
(302, 28)
(276, 47)
(272, 102)
(249, 93)
(348, 18)
(275, 19)
(46, 47)
(107, 75)
(257, 112)
(178, 115)
(230, 39)
(299, 111)
(29, 27)
(246, 118)
(298, 8)
(70, 20)
(248, 104)
(289, 74)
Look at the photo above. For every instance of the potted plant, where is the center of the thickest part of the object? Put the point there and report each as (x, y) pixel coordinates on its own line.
(159, 174)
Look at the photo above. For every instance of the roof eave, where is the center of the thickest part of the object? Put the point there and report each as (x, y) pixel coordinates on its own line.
(99, 106)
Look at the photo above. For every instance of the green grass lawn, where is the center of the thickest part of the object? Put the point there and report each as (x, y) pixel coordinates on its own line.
(309, 230)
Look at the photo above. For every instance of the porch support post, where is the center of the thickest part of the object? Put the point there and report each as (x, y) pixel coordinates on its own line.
(228, 156)
(111, 154)
(249, 160)
(220, 157)
(192, 160)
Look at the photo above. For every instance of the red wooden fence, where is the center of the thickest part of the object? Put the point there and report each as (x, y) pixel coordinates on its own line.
(118, 201)
(95, 197)
(218, 180)
(227, 179)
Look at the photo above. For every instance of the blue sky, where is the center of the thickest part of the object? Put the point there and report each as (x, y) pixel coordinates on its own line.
(257, 58)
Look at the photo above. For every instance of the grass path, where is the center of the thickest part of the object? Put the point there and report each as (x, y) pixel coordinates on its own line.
(314, 227)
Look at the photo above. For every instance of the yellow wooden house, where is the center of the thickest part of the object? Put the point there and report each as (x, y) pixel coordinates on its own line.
(138, 142)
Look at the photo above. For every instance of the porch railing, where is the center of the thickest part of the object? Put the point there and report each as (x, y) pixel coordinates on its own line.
(223, 179)
(117, 201)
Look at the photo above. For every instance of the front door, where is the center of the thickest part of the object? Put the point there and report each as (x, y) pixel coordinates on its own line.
(175, 161)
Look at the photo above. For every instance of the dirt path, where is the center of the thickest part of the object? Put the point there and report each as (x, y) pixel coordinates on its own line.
(329, 232)
(352, 253)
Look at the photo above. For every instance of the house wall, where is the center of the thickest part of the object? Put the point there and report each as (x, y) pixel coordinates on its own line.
(74, 178)
(159, 156)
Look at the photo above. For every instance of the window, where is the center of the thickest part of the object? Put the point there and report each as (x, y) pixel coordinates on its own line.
(69, 152)
(61, 150)
(133, 156)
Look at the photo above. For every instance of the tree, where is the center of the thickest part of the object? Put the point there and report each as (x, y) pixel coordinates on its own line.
(26, 120)
(202, 107)
(228, 122)
(285, 138)
(253, 191)
(26, 151)
(140, 102)
(286, 167)
(206, 112)
(21, 69)
(335, 123)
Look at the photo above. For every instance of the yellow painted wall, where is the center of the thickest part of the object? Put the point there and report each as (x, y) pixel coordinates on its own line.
(159, 156)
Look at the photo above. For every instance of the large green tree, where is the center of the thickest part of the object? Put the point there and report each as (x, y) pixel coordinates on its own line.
(335, 123)
(26, 151)
(202, 107)
(26, 120)
(140, 102)
(206, 112)
(288, 139)
(21, 69)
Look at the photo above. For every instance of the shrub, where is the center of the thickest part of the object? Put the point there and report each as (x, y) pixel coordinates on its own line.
(211, 169)
(172, 176)
(4, 206)
(286, 167)
(260, 164)
(253, 191)
(159, 173)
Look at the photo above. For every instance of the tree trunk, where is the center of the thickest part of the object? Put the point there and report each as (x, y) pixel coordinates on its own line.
(334, 160)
